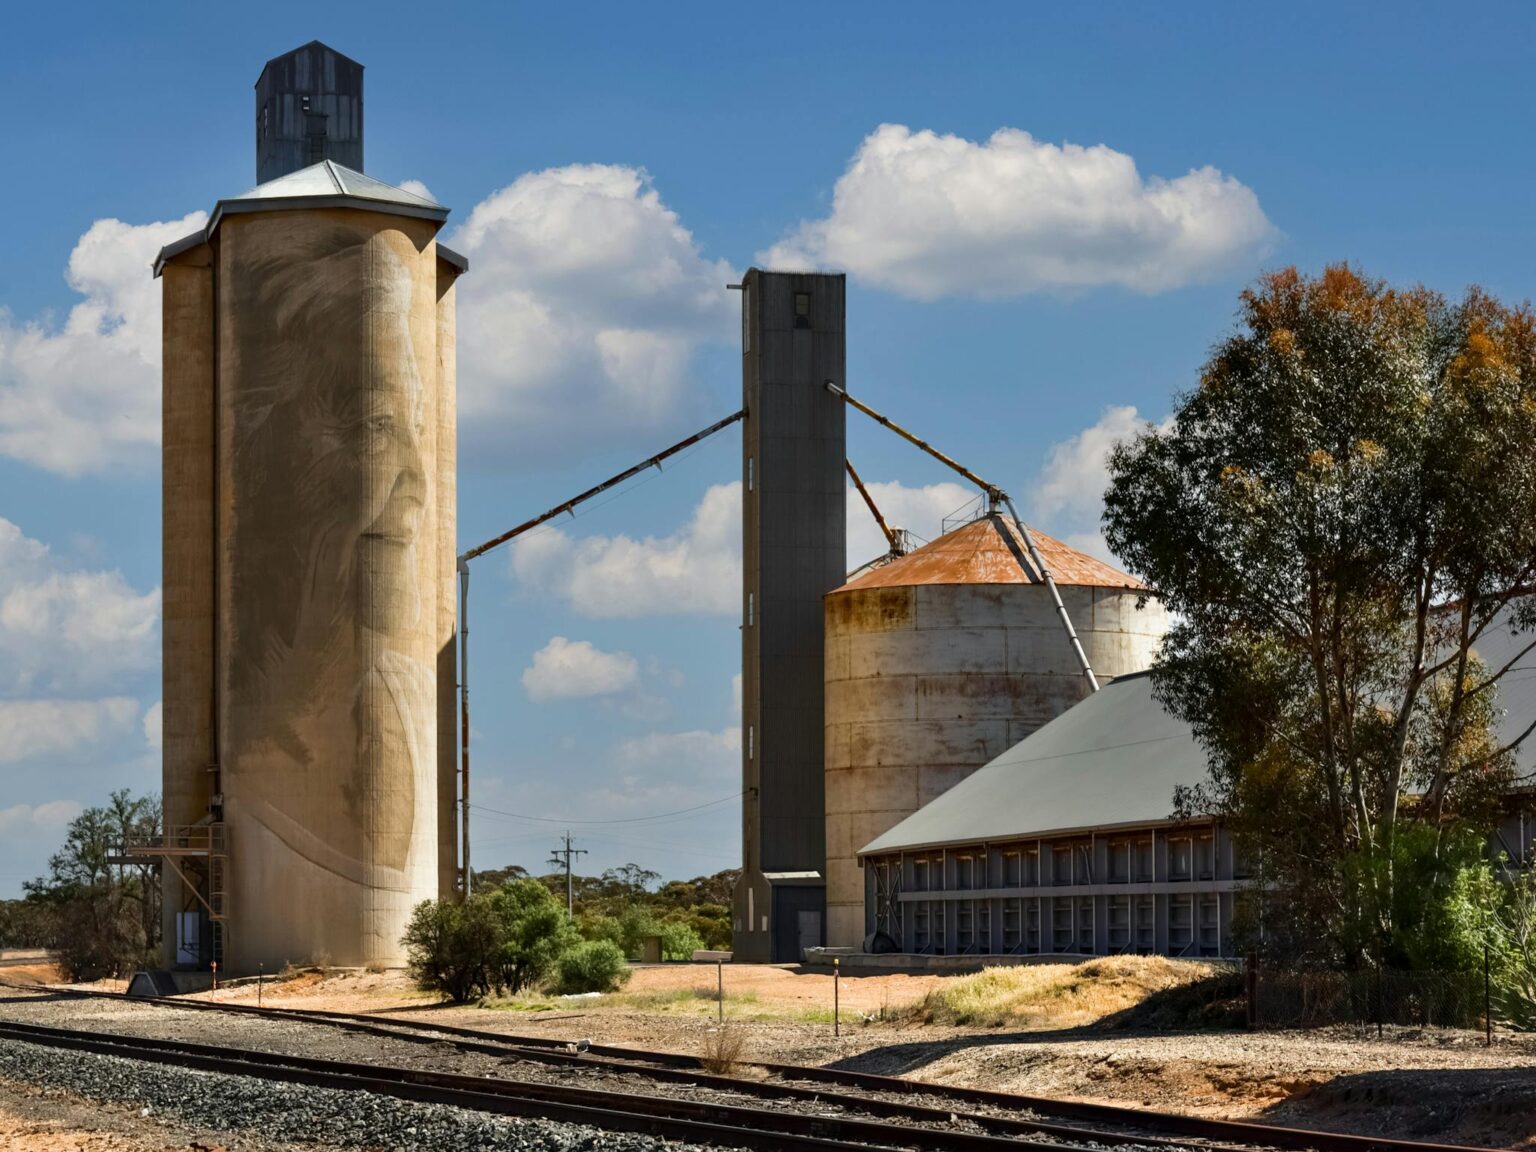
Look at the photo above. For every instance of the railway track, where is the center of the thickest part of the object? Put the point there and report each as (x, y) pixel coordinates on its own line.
(1006, 1119)
(692, 1121)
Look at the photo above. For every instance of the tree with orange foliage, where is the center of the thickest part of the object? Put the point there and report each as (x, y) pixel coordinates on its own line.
(1339, 515)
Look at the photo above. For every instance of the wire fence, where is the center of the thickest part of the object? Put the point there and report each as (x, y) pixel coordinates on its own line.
(1309, 999)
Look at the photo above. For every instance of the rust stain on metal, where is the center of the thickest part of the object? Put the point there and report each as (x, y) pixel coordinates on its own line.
(990, 551)
(885, 609)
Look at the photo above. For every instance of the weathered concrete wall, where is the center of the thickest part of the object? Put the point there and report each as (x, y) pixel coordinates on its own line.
(926, 684)
(187, 536)
(330, 579)
(447, 582)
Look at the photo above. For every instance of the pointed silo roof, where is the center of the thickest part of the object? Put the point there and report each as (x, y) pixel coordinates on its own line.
(991, 551)
(323, 185)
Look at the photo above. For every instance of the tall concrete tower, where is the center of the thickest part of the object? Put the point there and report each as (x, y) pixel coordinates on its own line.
(794, 551)
(309, 452)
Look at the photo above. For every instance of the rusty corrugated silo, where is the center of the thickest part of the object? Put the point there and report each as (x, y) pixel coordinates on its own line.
(939, 661)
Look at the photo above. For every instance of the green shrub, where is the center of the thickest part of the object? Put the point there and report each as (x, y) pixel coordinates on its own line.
(592, 966)
(504, 940)
(679, 941)
(532, 934)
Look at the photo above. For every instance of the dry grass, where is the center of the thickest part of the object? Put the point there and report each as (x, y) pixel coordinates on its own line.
(723, 1049)
(1051, 995)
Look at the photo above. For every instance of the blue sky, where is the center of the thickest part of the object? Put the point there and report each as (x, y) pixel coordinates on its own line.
(610, 169)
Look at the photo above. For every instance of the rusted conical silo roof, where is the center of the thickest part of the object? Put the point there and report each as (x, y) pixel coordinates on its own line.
(991, 551)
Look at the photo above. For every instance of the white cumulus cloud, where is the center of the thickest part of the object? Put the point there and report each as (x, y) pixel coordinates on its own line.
(63, 628)
(586, 303)
(920, 511)
(929, 215)
(22, 818)
(1068, 493)
(84, 396)
(154, 726)
(696, 571)
(571, 669)
(31, 728)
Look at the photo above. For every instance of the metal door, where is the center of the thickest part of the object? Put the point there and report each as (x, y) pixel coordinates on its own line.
(810, 930)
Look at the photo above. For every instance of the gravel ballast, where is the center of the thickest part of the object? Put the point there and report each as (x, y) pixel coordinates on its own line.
(296, 1113)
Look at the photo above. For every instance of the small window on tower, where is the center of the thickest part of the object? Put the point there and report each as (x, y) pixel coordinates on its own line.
(802, 309)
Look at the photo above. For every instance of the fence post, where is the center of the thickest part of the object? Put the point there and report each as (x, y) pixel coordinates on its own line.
(1381, 999)
(720, 990)
(1487, 1002)
(837, 1018)
(1251, 986)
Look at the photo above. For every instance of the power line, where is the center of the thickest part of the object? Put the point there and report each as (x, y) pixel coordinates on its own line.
(627, 820)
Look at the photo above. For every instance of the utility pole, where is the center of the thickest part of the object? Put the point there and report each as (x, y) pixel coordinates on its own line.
(562, 857)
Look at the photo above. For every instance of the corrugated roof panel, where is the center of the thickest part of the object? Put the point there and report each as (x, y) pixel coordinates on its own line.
(323, 185)
(991, 551)
(1113, 759)
(1116, 758)
(329, 178)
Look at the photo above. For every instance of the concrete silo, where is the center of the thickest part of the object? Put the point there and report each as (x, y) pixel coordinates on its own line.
(309, 566)
(939, 661)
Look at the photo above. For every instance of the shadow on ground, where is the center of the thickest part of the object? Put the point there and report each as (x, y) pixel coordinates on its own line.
(1488, 1107)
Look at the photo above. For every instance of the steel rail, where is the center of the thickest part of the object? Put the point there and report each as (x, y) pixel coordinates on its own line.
(995, 496)
(685, 1070)
(670, 1117)
(678, 1067)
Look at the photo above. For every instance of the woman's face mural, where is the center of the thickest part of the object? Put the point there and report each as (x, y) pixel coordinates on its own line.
(332, 694)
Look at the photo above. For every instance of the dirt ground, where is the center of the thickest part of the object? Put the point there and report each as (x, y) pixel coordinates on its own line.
(31, 1121)
(1432, 1084)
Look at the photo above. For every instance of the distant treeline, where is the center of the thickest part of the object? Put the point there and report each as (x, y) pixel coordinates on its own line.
(628, 903)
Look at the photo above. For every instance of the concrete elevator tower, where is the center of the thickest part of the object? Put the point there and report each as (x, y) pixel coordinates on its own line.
(309, 452)
(794, 552)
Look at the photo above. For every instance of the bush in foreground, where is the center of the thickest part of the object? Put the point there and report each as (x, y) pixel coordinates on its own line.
(502, 941)
(592, 966)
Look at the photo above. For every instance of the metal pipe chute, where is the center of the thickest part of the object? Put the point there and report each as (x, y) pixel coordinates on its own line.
(893, 536)
(996, 497)
(568, 506)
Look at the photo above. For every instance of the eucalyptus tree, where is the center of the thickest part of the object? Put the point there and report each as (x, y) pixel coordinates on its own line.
(1337, 515)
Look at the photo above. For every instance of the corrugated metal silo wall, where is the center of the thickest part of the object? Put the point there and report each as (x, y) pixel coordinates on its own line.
(926, 684)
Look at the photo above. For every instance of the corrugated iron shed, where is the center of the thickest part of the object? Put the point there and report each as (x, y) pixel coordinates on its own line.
(991, 551)
(1112, 760)
(1115, 758)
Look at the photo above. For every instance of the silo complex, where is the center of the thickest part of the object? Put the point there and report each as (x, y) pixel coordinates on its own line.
(941, 660)
(309, 566)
